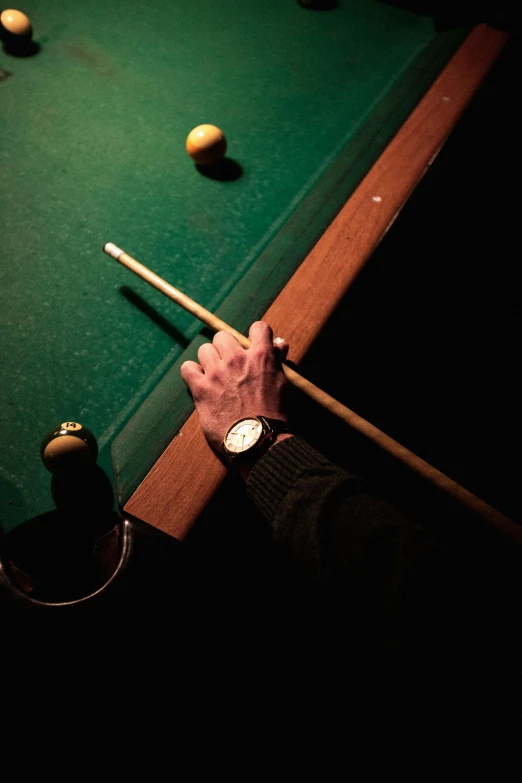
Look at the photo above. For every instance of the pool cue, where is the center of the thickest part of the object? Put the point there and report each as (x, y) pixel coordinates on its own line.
(420, 466)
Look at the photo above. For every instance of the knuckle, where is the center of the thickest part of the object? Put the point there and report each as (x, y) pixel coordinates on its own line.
(235, 361)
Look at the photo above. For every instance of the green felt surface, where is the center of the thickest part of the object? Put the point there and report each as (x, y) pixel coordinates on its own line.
(92, 150)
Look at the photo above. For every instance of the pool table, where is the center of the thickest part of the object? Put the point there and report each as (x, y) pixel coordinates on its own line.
(331, 118)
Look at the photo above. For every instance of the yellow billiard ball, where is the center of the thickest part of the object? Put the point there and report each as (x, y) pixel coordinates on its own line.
(206, 145)
(70, 446)
(15, 23)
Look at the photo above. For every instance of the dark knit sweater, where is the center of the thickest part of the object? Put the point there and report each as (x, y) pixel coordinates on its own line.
(371, 573)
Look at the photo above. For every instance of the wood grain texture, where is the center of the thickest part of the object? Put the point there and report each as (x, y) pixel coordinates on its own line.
(188, 473)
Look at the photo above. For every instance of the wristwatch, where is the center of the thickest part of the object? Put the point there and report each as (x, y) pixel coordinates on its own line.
(250, 434)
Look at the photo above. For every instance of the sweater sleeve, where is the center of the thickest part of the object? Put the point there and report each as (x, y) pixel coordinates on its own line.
(369, 557)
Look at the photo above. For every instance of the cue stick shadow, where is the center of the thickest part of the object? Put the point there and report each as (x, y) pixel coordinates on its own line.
(147, 309)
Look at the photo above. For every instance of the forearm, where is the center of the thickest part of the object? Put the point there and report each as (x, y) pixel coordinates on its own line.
(330, 522)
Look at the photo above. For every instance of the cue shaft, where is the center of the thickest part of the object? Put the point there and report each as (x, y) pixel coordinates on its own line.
(420, 466)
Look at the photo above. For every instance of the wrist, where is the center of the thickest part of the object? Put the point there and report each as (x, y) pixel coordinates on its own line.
(248, 438)
(246, 465)
(279, 437)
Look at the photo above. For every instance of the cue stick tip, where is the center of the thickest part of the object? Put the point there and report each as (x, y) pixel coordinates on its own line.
(112, 250)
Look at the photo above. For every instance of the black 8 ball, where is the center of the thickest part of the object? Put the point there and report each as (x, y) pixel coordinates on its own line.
(70, 446)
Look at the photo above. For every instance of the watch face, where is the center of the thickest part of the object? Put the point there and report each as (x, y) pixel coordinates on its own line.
(243, 435)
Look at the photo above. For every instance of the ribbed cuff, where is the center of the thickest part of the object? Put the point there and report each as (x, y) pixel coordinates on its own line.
(277, 471)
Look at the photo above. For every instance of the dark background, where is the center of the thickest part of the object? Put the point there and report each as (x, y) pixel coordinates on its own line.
(426, 344)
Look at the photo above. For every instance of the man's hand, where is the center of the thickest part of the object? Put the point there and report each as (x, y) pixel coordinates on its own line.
(231, 381)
